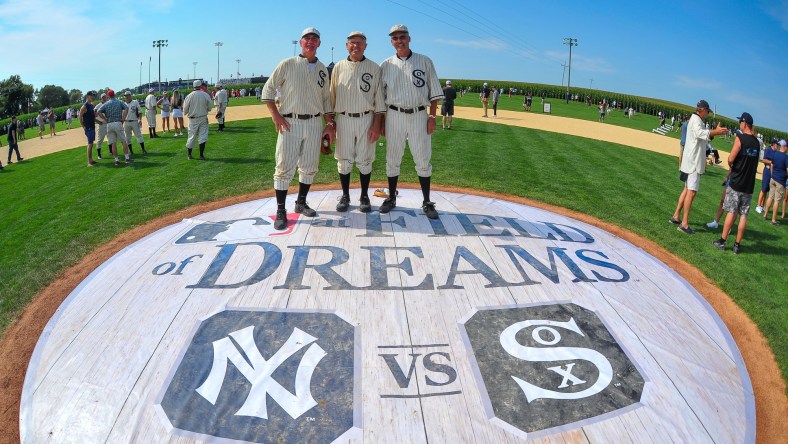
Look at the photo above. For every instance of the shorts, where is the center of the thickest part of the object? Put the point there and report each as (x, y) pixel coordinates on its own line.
(447, 109)
(737, 202)
(691, 180)
(767, 177)
(165, 114)
(90, 133)
(177, 114)
(777, 191)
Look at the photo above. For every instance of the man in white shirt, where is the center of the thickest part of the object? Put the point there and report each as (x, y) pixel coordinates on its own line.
(132, 122)
(220, 102)
(693, 162)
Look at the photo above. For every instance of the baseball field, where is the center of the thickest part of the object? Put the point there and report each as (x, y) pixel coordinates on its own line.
(61, 220)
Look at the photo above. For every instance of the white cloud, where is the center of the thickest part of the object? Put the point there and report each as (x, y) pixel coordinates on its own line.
(749, 101)
(779, 12)
(491, 44)
(581, 62)
(696, 83)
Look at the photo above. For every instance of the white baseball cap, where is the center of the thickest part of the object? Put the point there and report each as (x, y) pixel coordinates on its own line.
(150, 90)
(448, 82)
(197, 83)
(485, 83)
(398, 28)
(356, 34)
(218, 85)
(310, 30)
(127, 93)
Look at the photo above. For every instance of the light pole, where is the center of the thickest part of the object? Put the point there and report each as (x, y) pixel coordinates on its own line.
(295, 42)
(591, 85)
(140, 78)
(195, 70)
(159, 44)
(571, 42)
(332, 54)
(238, 68)
(218, 46)
(149, 60)
(563, 73)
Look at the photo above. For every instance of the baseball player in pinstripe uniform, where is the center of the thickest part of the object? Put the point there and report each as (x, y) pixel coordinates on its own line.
(304, 85)
(132, 122)
(220, 102)
(196, 108)
(102, 127)
(411, 86)
(357, 96)
(151, 106)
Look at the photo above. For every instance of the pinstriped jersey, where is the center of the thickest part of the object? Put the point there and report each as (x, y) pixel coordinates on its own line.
(411, 82)
(302, 91)
(356, 87)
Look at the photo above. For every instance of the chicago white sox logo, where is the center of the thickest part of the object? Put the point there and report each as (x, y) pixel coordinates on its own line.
(418, 77)
(260, 371)
(542, 354)
(365, 78)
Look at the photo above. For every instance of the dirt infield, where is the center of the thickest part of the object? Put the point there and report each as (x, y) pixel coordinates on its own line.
(16, 346)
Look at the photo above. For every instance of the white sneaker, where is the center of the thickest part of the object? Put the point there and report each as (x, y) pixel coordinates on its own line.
(713, 224)
(759, 209)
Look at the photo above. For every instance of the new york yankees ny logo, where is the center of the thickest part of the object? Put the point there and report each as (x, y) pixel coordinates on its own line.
(550, 365)
(266, 376)
(260, 370)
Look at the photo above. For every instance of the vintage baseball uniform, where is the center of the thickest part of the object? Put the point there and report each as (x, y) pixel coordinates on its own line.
(357, 95)
(409, 85)
(150, 110)
(131, 124)
(196, 108)
(220, 100)
(102, 126)
(304, 98)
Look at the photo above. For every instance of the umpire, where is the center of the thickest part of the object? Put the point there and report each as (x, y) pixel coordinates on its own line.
(304, 85)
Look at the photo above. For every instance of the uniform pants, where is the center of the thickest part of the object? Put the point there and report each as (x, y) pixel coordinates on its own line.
(151, 115)
(102, 133)
(198, 131)
(413, 128)
(298, 147)
(133, 126)
(115, 132)
(353, 144)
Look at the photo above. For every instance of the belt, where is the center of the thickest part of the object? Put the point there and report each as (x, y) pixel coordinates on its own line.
(407, 110)
(135, 120)
(301, 116)
(355, 114)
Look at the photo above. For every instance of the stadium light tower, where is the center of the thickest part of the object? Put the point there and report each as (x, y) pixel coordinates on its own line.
(159, 44)
(195, 70)
(238, 68)
(295, 42)
(571, 42)
(218, 47)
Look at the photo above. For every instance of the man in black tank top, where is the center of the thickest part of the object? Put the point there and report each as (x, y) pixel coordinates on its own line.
(743, 163)
(87, 118)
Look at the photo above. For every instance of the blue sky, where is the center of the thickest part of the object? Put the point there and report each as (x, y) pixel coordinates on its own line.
(733, 54)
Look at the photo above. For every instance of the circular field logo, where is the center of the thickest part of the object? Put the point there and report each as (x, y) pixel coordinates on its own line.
(494, 323)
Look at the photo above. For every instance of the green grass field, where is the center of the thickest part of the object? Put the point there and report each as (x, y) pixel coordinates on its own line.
(55, 210)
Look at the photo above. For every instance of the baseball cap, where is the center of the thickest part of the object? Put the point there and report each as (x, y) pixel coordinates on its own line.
(218, 85)
(103, 95)
(448, 82)
(485, 83)
(702, 104)
(775, 140)
(398, 28)
(197, 83)
(90, 93)
(111, 92)
(310, 30)
(783, 142)
(356, 34)
(127, 93)
(150, 90)
(746, 117)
